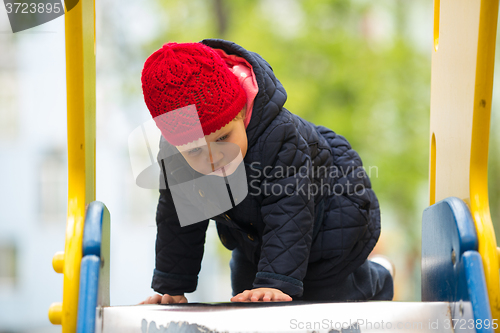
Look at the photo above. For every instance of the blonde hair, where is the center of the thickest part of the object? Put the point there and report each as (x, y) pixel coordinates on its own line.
(241, 114)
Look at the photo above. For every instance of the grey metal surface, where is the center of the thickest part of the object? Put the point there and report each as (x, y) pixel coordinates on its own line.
(282, 317)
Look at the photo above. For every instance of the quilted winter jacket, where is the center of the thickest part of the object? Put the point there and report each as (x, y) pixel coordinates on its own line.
(290, 236)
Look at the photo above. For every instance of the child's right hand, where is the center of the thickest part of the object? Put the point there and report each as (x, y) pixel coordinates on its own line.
(165, 299)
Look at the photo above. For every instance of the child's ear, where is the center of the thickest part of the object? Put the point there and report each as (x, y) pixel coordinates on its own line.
(242, 113)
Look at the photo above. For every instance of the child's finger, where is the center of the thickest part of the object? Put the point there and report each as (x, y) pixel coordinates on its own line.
(268, 296)
(246, 296)
(151, 300)
(241, 297)
(236, 298)
(156, 299)
(167, 299)
(283, 298)
(256, 296)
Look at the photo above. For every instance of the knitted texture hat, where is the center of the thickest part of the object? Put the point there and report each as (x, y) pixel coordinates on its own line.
(180, 75)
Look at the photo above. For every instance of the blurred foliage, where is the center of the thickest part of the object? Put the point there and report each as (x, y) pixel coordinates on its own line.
(341, 71)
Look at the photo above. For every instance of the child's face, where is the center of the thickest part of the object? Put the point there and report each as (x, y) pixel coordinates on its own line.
(218, 152)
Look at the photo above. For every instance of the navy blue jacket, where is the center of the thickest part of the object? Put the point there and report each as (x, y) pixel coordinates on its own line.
(290, 236)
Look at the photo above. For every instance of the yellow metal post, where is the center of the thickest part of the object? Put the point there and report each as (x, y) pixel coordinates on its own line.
(461, 91)
(80, 81)
(479, 202)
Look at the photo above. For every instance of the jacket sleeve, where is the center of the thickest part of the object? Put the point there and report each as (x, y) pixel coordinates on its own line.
(179, 250)
(287, 211)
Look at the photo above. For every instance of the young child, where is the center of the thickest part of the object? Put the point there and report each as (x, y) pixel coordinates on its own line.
(310, 218)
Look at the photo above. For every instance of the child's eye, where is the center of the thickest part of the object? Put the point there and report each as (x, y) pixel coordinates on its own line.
(222, 138)
(194, 151)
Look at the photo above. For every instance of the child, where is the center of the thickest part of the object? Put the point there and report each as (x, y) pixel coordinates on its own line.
(310, 218)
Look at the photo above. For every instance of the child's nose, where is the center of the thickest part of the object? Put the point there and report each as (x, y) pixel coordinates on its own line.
(216, 154)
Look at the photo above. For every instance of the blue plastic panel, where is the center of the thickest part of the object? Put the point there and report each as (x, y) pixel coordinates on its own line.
(452, 269)
(478, 294)
(92, 233)
(87, 300)
(447, 232)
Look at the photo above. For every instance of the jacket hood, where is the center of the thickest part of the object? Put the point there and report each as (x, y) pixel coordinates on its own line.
(271, 96)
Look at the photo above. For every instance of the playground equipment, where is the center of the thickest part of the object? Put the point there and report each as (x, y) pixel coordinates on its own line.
(80, 76)
(461, 90)
(460, 278)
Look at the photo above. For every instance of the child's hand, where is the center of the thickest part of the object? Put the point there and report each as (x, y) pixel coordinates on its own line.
(165, 299)
(262, 294)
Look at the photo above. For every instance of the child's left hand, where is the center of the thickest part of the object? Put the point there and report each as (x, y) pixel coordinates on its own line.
(262, 295)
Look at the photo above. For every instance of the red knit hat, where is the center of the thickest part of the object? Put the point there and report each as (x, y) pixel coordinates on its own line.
(179, 75)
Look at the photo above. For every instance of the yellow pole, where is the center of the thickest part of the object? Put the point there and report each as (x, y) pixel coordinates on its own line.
(479, 202)
(80, 82)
